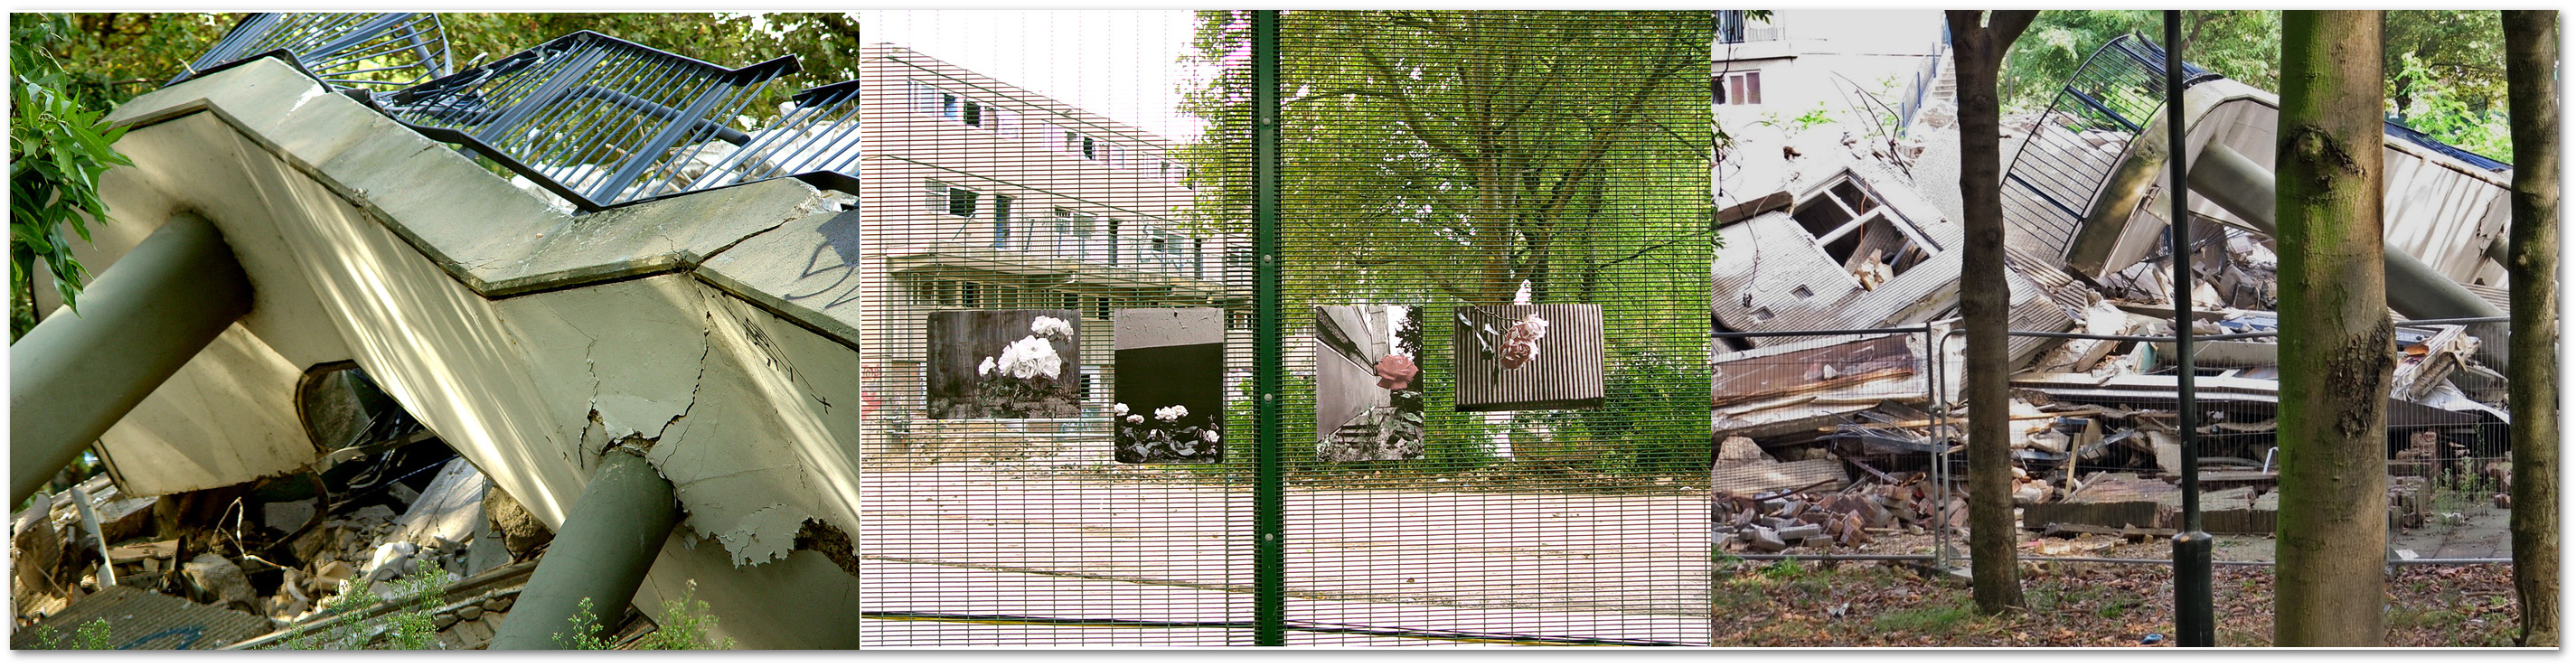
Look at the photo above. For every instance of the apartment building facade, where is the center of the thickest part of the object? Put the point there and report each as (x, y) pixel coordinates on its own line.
(980, 194)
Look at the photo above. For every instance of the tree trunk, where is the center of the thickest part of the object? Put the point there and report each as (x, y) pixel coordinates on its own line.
(2531, 67)
(1985, 303)
(2337, 344)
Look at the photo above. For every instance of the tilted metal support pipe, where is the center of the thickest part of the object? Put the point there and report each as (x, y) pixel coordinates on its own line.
(2415, 290)
(606, 545)
(75, 375)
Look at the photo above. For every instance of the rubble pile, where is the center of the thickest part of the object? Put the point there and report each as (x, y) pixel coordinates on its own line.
(1855, 242)
(1786, 519)
(366, 530)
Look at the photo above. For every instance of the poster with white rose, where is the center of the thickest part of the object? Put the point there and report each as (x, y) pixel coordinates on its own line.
(1523, 357)
(1005, 364)
(1171, 384)
(1368, 383)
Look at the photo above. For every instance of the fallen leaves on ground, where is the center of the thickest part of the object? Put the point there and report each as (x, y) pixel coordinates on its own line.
(2071, 604)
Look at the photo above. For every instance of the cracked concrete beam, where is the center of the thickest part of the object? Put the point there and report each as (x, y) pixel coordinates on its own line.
(394, 245)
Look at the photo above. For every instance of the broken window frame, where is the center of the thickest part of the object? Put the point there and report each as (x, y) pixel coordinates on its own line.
(1858, 221)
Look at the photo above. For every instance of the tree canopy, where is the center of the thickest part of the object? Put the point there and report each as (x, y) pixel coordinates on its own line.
(115, 56)
(1526, 140)
(2445, 68)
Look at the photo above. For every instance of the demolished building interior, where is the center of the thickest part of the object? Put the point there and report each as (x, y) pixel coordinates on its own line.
(1821, 434)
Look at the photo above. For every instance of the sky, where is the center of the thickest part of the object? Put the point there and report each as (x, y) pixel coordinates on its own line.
(1124, 64)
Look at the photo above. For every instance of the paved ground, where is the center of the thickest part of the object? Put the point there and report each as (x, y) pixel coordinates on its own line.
(959, 545)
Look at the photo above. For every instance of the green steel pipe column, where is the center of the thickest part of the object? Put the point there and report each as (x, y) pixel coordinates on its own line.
(75, 375)
(1269, 499)
(606, 545)
(2234, 182)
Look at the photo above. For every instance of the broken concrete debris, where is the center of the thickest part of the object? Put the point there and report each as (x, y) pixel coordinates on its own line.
(1787, 518)
(1848, 241)
(315, 558)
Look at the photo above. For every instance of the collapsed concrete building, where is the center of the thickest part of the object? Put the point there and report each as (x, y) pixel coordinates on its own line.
(1857, 244)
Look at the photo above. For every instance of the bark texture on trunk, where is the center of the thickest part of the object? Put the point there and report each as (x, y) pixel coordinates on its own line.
(1978, 41)
(2337, 344)
(2531, 81)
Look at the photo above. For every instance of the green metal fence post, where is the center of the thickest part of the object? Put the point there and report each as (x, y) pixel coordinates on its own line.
(1269, 555)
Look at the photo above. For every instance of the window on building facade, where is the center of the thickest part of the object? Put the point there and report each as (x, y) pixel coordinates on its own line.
(1073, 234)
(930, 100)
(1736, 88)
(1001, 221)
(955, 200)
(1730, 26)
(1113, 241)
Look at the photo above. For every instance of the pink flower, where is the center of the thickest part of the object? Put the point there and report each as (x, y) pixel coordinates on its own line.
(1396, 371)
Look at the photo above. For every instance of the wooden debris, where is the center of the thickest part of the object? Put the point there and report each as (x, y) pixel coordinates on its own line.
(1754, 477)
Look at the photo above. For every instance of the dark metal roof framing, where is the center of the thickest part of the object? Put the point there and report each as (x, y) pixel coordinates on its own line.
(2058, 171)
(597, 120)
(344, 50)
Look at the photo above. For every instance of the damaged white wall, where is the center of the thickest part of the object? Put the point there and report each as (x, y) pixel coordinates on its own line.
(525, 338)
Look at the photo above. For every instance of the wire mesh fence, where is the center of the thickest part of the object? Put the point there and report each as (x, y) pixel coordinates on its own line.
(1495, 264)
(1015, 232)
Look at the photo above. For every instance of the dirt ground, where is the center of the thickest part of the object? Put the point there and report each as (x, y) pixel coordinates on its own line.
(1769, 603)
(2071, 604)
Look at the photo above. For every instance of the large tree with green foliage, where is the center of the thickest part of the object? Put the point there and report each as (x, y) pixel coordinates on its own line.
(1979, 41)
(2337, 344)
(1524, 137)
(2531, 63)
(1441, 157)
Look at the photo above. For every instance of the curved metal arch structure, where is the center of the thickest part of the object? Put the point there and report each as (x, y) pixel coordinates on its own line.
(2080, 139)
(597, 120)
(371, 51)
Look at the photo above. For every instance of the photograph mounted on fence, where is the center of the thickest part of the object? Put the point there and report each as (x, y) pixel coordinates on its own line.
(1005, 364)
(1544, 357)
(1171, 384)
(1368, 383)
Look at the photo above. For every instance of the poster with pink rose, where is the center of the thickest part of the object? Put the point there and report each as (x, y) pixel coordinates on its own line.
(1523, 357)
(1368, 383)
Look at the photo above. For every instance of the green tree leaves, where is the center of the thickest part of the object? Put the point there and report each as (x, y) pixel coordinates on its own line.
(58, 148)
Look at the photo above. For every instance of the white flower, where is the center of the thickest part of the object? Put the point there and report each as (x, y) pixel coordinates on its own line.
(1135, 419)
(1208, 435)
(1120, 408)
(1171, 414)
(1031, 357)
(1048, 326)
(986, 368)
(1522, 298)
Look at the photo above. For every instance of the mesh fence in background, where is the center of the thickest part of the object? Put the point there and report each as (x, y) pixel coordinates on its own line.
(1434, 161)
(1536, 478)
(1020, 196)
